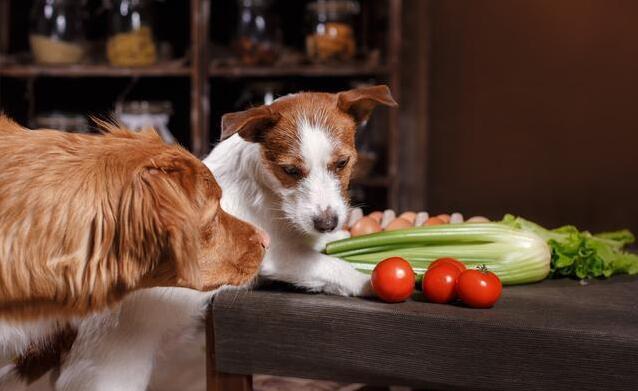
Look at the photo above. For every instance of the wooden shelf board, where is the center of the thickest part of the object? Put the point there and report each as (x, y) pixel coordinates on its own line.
(297, 70)
(97, 70)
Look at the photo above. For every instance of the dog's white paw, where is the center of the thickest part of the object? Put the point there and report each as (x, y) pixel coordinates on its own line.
(320, 243)
(359, 285)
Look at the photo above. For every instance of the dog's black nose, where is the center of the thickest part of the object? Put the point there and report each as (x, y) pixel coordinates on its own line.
(326, 221)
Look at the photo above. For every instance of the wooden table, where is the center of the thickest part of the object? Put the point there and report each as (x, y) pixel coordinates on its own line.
(555, 335)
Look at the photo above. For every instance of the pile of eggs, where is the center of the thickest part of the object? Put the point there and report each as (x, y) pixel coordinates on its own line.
(377, 221)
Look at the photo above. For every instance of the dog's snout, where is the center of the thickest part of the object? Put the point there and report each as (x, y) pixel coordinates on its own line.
(261, 237)
(326, 221)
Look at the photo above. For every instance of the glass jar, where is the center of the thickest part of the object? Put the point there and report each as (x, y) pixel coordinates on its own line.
(258, 38)
(259, 93)
(58, 120)
(131, 42)
(57, 34)
(331, 34)
(138, 115)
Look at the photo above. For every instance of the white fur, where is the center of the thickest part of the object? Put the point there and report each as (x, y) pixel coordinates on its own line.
(116, 351)
(9, 379)
(16, 336)
(320, 189)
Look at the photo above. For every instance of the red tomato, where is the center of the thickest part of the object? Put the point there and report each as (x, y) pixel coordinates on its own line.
(439, 283)
(393, 280)
(459, 265)
(479, 288)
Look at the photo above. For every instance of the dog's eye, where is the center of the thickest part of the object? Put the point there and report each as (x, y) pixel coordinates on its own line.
(342, 163)
(292, 171)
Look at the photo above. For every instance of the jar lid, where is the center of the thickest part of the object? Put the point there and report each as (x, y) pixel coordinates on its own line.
(144, 107)
(334, 7)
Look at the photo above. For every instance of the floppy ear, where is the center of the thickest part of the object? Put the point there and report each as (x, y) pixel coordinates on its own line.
(250, 124)
(360, 102)
(158, 220)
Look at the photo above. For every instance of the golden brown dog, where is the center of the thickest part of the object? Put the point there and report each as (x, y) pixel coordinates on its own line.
(84, 219)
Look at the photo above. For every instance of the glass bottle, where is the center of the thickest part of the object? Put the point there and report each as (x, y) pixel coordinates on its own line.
(138, 115)
(258, 38)
(57, 34)
(331, 34)
(131, 42)
(60, 120)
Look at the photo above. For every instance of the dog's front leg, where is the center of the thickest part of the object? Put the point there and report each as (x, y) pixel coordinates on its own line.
(317, 272)
(113, 351)
(341, 278)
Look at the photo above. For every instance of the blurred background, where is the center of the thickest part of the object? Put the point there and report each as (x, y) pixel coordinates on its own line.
(525, 107)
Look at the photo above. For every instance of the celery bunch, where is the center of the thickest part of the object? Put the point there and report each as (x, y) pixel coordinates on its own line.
(517, 250)
(581, 254)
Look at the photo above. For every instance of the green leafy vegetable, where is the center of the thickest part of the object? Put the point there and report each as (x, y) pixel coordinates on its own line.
(579, 253)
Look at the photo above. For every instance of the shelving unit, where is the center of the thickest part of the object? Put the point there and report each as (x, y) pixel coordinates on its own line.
(203, 77)
(97, 70)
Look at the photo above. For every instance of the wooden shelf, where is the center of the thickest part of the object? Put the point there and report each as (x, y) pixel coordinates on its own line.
(97, 70)
(205, 69)
(349, 70)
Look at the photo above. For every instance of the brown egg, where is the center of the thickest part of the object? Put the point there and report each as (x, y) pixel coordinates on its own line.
(398, 223)
(477, 219)
(409, 215)
(364, 226)
(434, 221)
(377, 215)
(444, 217)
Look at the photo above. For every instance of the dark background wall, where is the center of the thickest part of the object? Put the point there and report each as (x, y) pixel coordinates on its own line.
(533, 108)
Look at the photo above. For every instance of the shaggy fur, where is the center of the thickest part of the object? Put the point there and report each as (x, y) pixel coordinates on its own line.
(85, 219)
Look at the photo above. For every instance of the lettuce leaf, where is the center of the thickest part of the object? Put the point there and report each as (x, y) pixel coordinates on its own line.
(579, 253)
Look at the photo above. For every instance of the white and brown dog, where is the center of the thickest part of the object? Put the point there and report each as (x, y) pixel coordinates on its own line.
(284, 167)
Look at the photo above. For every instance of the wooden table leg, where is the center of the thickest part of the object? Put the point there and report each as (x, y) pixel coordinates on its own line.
(218, 381)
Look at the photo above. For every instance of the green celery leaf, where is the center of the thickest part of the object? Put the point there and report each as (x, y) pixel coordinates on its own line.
(623, 237)
(626, 263)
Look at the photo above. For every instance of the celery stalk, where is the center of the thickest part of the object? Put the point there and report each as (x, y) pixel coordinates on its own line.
(515, 255)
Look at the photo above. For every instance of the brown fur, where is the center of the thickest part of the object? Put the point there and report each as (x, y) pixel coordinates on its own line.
(275, 127)
(85, 219)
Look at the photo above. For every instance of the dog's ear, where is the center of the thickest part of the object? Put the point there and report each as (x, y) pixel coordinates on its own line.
(159, 221)
(250, 124)
(360, 102)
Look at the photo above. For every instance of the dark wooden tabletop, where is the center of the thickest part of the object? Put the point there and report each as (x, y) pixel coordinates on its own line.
(556, 334)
